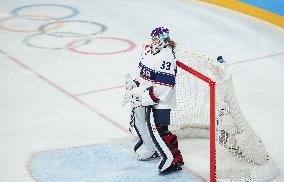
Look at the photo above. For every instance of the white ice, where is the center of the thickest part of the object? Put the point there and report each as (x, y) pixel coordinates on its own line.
(52, 99)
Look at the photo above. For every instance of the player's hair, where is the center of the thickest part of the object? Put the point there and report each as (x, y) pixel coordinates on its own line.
(172, 44)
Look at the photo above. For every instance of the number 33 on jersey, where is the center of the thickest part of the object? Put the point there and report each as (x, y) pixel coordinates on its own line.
(166, 65)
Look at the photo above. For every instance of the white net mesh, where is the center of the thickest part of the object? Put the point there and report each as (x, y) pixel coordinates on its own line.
(240, 153)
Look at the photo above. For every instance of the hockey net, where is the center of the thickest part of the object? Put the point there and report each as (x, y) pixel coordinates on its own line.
(207, 107)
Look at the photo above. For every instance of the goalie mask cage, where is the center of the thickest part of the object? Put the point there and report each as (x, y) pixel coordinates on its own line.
(207, 107)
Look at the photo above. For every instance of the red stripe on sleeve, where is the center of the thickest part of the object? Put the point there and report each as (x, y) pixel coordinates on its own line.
(153, 97)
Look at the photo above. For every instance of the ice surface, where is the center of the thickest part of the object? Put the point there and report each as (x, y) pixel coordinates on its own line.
(55, 98)
(100, 162)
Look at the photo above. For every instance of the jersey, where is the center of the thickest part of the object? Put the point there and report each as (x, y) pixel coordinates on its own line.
(157, 75)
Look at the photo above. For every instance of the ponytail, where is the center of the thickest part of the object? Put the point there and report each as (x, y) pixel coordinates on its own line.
(172, 44)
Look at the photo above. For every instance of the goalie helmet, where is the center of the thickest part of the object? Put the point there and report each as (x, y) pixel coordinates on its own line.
(160, 33)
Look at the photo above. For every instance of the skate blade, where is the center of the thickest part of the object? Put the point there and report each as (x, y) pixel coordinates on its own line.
(171, 170)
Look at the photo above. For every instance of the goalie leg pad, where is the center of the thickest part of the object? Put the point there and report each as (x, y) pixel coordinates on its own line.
(165, 153)
(144, 148)
(172, 143)
(144, 154)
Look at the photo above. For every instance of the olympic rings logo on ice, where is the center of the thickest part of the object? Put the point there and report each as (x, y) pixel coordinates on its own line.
(50, 32)
(71, 46)
(74, 11)
(60, 35)
(2, 25)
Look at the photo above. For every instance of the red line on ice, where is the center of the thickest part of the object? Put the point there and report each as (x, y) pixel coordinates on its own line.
(99, 90)
(64, 91)
(257, 58)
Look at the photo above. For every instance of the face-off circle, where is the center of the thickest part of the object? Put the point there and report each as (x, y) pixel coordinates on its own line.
(72, 46)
